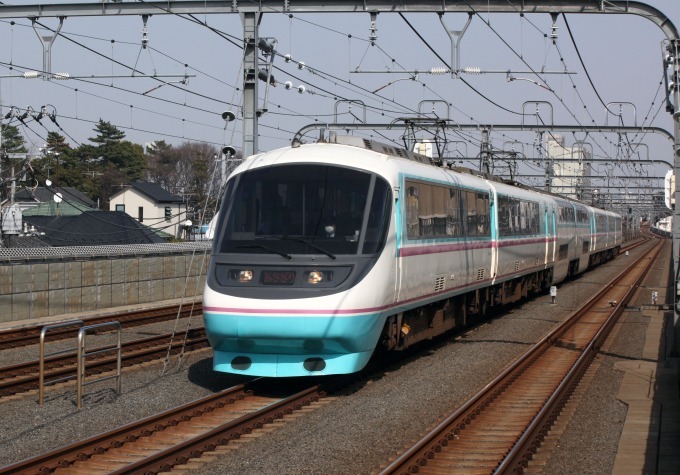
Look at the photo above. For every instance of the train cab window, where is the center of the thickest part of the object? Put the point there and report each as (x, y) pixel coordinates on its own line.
(300, 209)
(378, 218)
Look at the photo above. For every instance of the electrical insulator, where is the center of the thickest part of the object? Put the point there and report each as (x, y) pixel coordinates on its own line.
(439, 70)
(30, 74)
(373, 35)
(62, 76)
(472, 70)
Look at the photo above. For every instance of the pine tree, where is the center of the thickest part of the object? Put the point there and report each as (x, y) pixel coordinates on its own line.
(107, 133)
(12, 141)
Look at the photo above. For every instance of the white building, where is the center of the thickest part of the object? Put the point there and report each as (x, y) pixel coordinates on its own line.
(571, 169)
(152, 205)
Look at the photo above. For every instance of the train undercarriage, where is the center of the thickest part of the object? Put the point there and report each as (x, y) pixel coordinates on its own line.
(407, 328)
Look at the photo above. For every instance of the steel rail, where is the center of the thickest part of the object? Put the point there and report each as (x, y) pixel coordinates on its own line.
(23, 377)
(207, 442)
(520, 455)
(83, 450)
(28, 335)
(442, 434)
(76, 456)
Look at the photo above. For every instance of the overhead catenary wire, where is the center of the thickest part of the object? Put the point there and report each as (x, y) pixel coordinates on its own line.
(282, 112)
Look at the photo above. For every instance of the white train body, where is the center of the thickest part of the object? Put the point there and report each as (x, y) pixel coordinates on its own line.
(423, 250)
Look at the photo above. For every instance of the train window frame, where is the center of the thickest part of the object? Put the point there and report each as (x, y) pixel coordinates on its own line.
(437, 211)
(242, 231)
(517, 216)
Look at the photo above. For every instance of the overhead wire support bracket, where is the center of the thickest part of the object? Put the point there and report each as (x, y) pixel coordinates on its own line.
(268, 48)
(456, 37)
(47, 41)
(350, 102)
(439, 135)
(552, 121)
(620, 113)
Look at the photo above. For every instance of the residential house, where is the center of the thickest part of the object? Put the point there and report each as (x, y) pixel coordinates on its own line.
(151, 205)
(28, 198)
(63, 223)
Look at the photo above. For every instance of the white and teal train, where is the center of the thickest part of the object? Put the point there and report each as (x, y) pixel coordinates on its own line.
(325, 252)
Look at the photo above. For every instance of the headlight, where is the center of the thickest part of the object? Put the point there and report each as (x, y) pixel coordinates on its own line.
(244, 275)
(317, 276)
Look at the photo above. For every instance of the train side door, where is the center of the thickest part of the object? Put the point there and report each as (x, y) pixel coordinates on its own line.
(546, 225)
(493, 223)
(554, 239)
(399, 216)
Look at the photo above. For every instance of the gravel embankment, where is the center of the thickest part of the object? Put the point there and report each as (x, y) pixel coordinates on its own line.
(355, 433)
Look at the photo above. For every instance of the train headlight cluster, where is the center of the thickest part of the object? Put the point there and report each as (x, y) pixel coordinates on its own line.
(316, 276)
(244, 275)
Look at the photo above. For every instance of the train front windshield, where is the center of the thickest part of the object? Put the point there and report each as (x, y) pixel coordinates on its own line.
(304, 209)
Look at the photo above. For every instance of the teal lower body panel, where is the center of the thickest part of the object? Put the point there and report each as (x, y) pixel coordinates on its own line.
(285, 345)
(286, 365)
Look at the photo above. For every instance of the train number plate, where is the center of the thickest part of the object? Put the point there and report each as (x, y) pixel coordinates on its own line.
(278, 277)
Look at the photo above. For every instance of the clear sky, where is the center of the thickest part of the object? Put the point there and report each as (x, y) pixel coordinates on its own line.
(622, 55)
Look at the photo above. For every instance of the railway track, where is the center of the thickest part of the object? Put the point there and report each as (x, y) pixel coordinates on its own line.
(158, 443)
(30, 335)
(180, 436)
(501, 426)
(24, 377)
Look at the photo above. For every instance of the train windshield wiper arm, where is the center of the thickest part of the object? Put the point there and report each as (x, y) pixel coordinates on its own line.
(320, 249)
(267, 248)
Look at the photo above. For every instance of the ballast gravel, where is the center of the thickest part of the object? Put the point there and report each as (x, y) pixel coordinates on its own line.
(363, 429)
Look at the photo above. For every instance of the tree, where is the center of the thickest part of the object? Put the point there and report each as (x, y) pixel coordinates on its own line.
(111, 161)
(12, 141)
(57, 162)
(162, 162)
(186, 170)
(57, 143)
(106, 133)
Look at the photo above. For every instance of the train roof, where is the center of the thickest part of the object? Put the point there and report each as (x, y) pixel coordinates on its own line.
(399, 152)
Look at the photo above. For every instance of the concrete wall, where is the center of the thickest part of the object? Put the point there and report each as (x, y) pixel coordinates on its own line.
(31, 289)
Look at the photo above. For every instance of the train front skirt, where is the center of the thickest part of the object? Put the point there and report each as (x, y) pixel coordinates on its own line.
(287, 346)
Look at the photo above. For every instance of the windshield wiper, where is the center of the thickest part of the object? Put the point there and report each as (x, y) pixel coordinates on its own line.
(314, 246)
(267, 248)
